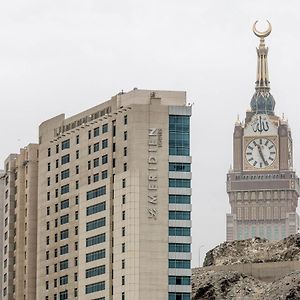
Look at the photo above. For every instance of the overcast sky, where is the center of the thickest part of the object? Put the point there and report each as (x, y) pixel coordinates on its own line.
(66, 56)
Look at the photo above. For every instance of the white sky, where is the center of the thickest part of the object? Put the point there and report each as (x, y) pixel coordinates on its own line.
(66, 56)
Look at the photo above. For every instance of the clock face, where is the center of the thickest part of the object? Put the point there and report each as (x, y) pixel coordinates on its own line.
(261, 153)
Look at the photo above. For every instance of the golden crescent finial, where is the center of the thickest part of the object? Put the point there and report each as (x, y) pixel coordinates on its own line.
(262, 34)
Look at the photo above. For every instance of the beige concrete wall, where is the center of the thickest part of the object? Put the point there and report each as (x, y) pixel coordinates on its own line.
(268, 272)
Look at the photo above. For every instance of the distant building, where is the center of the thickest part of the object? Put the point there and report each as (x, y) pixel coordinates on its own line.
(19, 228)
(262, 186)
(114, 203)
(2, 182)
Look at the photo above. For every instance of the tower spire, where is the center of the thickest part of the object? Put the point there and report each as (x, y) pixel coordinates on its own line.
(262, 77)
(262, 101)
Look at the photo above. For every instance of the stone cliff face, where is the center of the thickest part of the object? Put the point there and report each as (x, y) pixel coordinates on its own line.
(254, 250)
(212, 284)
(232, 285)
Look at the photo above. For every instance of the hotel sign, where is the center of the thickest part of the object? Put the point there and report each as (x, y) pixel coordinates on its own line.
(154, 143)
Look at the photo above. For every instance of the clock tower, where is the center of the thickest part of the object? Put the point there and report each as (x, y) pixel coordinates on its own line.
(262, 186)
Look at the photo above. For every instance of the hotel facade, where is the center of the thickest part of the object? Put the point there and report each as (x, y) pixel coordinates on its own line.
(113, 216)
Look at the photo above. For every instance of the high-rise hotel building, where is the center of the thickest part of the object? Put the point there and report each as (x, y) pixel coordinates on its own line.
(2, 182)
(114, 209)
(19, 231)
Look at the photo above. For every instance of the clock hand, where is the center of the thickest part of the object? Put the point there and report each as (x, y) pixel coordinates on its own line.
(261, 154)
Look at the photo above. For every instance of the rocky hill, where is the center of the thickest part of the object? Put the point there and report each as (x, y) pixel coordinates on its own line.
(254, 250)
(213, 284)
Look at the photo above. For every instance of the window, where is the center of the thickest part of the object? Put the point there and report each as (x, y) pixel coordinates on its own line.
(179, 167)
(104, 174)
(77, 139)
(179, 135)
(179, 215)
(96, 193)
(104, 159)
(65, 159)
(95, 287)
(123, 183)
(64, 219)
(114, 128)
(77, 154)
(57, 163)
(123, 231)
(63, 280)
(65, 174)
(77, 169)
(96, 162)
(96, 131)
(94, 240)
(64, 234)
(64, 264)
(89, 165)
(179, 296)
(49, 152)
(123, 263)
(123, 199)
(179, 183)
(96, 177)
(64, 189)
(57, 148)
(65, 144)
(64, 249)
(48, 210)
(64, 204)
(125, 120)
(123, 247)
(63, 295)
(123, 280)
(95, 271)
(179, 231)
(76, 200)
(180, 199)
(124, 167)
(95, 224)
(96, 147)
(114, 147)
(125, 151)
(179, 247)
(96, 255)
(179, 264)
(104, 143)
(104, 128)
(93, 209)
(77, 184)
(125, 135)
(89, 134)
(48, 181)
(49, 167)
